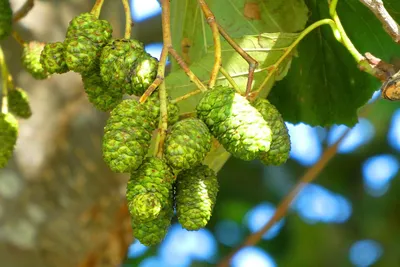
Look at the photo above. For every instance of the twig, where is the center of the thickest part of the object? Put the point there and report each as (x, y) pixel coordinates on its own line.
(178, 99)
(96, 9)
(18, 38)
(310, 175)
(289, 50)
(167, 48)
(163, 119)
(389, 24)
(187, 115)
(160, 75)
(24, 10)
(345, 40)
(364, 63)
(253, 64)
(128, 20)
(230, 79)
(193, 78)
(217, 42)
(4, 85)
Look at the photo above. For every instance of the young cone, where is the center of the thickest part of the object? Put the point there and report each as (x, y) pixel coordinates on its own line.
(31, 60)
(52, 58)
(280, 145)
(117, 63)
(18, 103)
(8, 137)
(237, 125)
(187, 144)
(152, 232)
(149, 189)
(196, 193)
(86, 36)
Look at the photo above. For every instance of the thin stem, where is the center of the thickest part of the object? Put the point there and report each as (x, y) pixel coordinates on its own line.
(18, 38)
(164, 119)
(345, 39)
(193, 78)
(187, 115)
(4, 84)
(24, 10)
(96, 9)
(332, 7)
(128, 20)
(160, 75)
(389, 24)
(230, 79)
(178, 99)
(289, 50)
(217, 42)
(253, 64)
(363, 63)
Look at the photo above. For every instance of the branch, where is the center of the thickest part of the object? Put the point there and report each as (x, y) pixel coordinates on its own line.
(310, 175)
(389, 24)
(391, 89)
(24, 10)
(217, 42)
(163, 120)
(283, 207)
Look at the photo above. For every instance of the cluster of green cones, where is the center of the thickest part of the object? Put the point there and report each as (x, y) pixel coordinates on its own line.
(177, 181)
(109, 67)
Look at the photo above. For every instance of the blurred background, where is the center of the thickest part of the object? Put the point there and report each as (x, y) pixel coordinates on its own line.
(61, 206)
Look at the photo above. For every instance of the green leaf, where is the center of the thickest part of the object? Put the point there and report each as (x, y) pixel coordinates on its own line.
(237, 17)
(324, 86)
(265, 48)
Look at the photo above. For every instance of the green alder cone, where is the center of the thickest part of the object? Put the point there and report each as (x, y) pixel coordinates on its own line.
(86, 24)
(237, 125)
(149, 189)
(86, 36)
(31, 60)
(18, 103)
(127, 136)
(98, 94)
(153, 102)
(5, 19)
(52, 58)
(8, 137)
(280, 145)
(145, 207)
(196, 193)
(117, 62)
(80, 54)
(143, 74)
(152, 232)
(187, 144)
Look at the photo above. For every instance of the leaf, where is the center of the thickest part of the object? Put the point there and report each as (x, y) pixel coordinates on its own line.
(238, 17)
(324, 86)
(265, 48)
